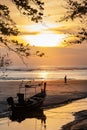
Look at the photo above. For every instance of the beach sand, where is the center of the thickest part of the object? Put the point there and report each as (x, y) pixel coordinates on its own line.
(58, 94)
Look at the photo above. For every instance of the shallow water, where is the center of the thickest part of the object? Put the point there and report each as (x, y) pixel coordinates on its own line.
(55, 118)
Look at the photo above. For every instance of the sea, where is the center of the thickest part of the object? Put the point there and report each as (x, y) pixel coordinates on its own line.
(43, 73)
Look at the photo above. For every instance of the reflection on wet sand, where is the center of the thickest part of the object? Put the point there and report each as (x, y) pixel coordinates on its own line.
(19, 117)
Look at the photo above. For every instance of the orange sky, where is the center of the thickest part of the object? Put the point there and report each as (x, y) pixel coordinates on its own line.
(63, 57)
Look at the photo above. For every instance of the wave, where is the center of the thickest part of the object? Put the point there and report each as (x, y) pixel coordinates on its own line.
(20, 78)
(46, 68)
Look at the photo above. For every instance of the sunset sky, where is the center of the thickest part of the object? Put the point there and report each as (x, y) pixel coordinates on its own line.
(49, 35)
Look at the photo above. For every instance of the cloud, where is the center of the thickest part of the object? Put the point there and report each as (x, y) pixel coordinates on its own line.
(65, 29)
(29, 33)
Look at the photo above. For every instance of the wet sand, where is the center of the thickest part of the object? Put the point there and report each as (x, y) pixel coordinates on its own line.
(59, 93)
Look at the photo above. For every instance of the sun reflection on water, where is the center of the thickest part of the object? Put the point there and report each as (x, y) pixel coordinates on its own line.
(44, 74)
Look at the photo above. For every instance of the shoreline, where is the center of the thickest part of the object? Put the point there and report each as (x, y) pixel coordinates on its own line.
(66, 102)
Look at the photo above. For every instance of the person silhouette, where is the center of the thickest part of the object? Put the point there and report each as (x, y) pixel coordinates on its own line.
(65, 79)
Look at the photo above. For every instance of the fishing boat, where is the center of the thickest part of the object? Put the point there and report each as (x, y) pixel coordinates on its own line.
(32, 102)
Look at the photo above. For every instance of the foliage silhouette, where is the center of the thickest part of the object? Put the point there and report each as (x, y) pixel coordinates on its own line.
(77, 10)
(8, 26)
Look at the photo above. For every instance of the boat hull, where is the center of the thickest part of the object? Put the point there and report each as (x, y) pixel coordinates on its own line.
(32, 103)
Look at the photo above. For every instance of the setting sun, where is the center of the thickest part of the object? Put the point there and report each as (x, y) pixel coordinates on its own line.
(45, 39)
(44, 34)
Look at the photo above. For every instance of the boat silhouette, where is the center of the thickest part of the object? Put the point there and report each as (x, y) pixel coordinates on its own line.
(31, 103)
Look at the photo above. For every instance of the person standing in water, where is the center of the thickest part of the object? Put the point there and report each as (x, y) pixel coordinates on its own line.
(45, 86)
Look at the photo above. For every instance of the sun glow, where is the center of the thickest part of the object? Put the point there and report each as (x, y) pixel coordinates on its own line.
(45, 39)
(44, 35)
(44, 74)
(41, 26)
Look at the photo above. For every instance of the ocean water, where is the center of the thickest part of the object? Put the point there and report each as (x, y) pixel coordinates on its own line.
(44, 73)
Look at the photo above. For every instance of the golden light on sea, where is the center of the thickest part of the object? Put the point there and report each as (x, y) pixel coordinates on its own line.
(43, 74)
